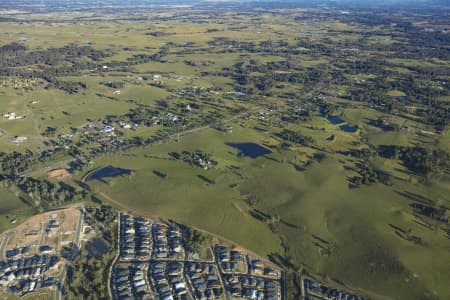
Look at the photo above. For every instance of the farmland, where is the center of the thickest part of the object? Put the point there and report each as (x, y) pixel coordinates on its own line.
(316, 138)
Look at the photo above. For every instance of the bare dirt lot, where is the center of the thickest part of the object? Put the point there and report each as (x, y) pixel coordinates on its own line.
(35, 232)
(59, 174)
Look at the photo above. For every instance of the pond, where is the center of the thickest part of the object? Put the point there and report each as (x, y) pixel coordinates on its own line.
(335, 120)
(97, 247)
(348, 128)
(251, 150)
(108, 171)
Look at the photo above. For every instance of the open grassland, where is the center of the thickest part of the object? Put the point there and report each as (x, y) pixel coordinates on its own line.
(326, 227)
(185, 197)
(12, 208)
(354, 226)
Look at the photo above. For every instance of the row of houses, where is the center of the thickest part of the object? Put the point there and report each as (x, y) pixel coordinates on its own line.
(168, 280)
(168, 242)
(204, 279)
(173, 275)
(314, 289)
(140, 239)
(135, 238)
(248, 277)
(257, 267)
(251, 287)
(104, 128)
(27, 274)
(230, 261)
(130, 282)
(16, 252)
(31, 285)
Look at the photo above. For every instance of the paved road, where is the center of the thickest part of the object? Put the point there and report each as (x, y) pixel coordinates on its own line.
(60, 283)
(7, 236)
(42, 237)
(76, 241)
(78, 229)
(113, 264)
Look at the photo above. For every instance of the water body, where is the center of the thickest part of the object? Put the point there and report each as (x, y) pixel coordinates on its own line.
(97, 247)
(108, 171)
(348, 128)
(335, 120)
(251, 150)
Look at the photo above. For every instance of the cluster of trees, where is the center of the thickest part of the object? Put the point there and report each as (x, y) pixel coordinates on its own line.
(139, 59)
(87, 277)
(293, 285)
(18, 162)
(142, 115)
(367, 93)
(270, 220)
(40, 194)
(296, 137)
(105, 217)
(420, 160)
(49, 131)
(43, 194)
(12, 49)
(195, 240)
(325, 109)
(416, 35)
(384, 124)
(276, 72)
(437, 114)
(418, 91)
(229, 45)
(408, 235)
(16, 55)
(197, 158)
(115, 84)
(368, 174)
(157, 33)
(71, 87)
(423, 84)
(17, 60)
(196, 63)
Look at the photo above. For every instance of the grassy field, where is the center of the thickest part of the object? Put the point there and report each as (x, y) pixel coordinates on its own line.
(185, 197)
(12, 208)
(317, 208)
